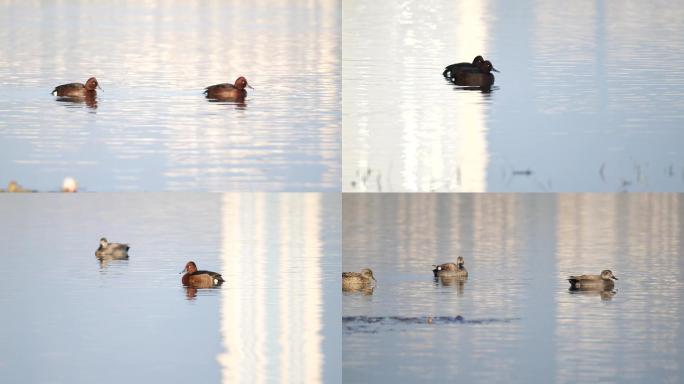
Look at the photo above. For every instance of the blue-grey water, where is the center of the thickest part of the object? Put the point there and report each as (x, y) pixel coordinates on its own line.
(68, 318)
(151, 129)
(518, 322)
(589, 96)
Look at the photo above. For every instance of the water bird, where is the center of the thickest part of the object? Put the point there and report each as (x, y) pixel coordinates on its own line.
(451, 269)
(77, 89)
(354, 281)
(112, 250)
(227, 91)
(604, 281)
(200, 279)
(452, 69)
(480, 77)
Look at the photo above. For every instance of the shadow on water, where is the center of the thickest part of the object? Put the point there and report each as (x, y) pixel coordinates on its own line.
(375, 324)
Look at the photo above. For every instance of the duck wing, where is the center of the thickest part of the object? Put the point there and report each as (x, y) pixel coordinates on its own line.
(64, 87)
(118, 246)
(446, 267)
(216, 276)
(218, 86)
(350, 274)
(450, 69)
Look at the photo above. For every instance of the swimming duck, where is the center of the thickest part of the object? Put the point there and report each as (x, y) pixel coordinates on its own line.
(452, 69)
(200, 279)
(77, 89)
(352, 281)
(227, 91)
(480, 77)
(593, 282)
(451, 269)
(112, 250)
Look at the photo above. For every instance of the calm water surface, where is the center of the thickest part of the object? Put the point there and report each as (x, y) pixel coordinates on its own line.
(589, 98)
(68, 318)
(151, 128)
(519, 321)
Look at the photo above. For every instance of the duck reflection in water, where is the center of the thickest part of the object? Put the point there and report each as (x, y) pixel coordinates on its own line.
(191, 292)
(606, 295)
(451, 281)
(89, 100)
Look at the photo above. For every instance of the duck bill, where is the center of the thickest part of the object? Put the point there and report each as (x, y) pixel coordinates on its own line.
(614, 278)
(495, 70)
(249, 86)
(183, 271)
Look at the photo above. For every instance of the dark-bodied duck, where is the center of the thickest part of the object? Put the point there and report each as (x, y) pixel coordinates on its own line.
(354, 281)
(112, 250)
(451, 269)
(227, 91)
(77, 89)
(604, 281)
(200, 279)
(450, 70)
(480, 77)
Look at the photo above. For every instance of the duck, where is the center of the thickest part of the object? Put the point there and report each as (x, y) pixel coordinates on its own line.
(354, 281)
(77, 89)
(604, 281)
(112, 250)
(200, 279)
(451, 269)
(227, 91)
(480, 77)
(450, 70)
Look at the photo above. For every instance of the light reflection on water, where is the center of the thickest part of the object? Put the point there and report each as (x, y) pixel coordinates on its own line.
(108, 321)
(519, 250)
(151, 128)
(575, 107)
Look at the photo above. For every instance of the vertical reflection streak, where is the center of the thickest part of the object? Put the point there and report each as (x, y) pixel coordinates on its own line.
(271, 311)
(471, 35)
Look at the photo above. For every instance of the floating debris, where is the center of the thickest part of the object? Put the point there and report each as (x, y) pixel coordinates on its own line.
(69, 185)
(14, 187)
